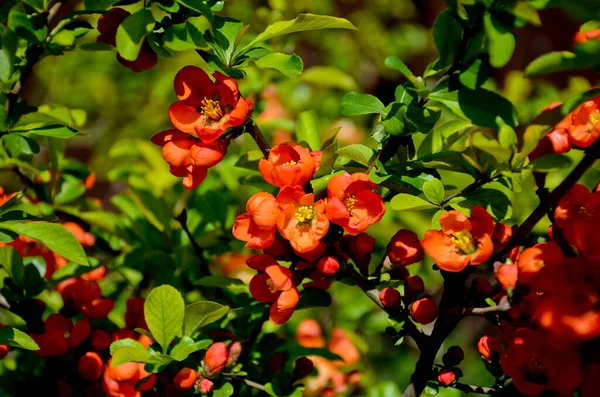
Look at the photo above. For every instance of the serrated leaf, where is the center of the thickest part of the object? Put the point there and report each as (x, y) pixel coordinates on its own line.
(434, 191)
(355, 103)
(164, 313)
(201, 313)
(55, 237)
(132, 32)
(404, 202)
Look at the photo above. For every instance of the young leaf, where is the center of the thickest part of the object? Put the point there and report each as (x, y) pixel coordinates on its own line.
(121, 343)
(355, 103)
(289, 65)
(185, 36)
(404, 202)
(187, 346)
(163, 311)
(301, 23)
(132, 32)
(434, 191)
(550, 162)
(225, 390)
(55, 237)
(308, 129)
(393, 62)
(201, 313)
(130, 354)
(14, 337)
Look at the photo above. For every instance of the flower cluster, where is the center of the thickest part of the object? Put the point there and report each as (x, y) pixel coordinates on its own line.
(314, 247)
(205, 110)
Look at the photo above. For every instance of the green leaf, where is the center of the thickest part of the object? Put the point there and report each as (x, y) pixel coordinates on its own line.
(308, 129)
(313, 297)
(201, 313)
(55, 237)
(53, 131)
(526, 11)
(14, 337)
(225, 390)
(226, 32)
(13, 263)
(121, 343)
(481, 106)
(435, 219)
(431, 388)
(494, 201)
(393, 62)
(500, 40)
(163, 311)
(289, 65)
(328, 157)
(508, 137)
(447, 34)
(132, 32)
(17, 144)
(404, 202)
(434, 191)
(7, 54)
(98, 4)
(329, 77)
(319, 185)
(187, 346)
(436, 140)
(130, 355)
(199, 6)
(221, 282)
(475, 75)
(552, 62)
(182, 37)
(302, 22)
(550, 162)
(355, 103)
(359, 153)
(395, 120)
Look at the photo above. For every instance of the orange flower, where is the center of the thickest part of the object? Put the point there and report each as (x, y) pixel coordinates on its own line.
(507, 276)
(340, 344)
(489, 348)
(121, 380)
(583, 37)
(257, 226)
(302, 221)
(352, 203)
(274, 284)
(309, 334)
(532, 260)
(188, 156)
(289, 164)
(461, 241)
(585, 127)
(535, 366)
(207, 108)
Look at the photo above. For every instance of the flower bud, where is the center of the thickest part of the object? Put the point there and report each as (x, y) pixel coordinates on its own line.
(507, 276)
(360, 248)
(185, 379)
(100, 340)
(235, 350)
(501, 235)
(304, 366)
(489, 347)
(446, 377)
(390, 298)
(405, 248)
(423, 311)
(205, 386)
(277, 362)
(413, 287)
(4, 349)
(482, 287)
(453, 356)
(90, 366)
(328, 265)
(215, 358)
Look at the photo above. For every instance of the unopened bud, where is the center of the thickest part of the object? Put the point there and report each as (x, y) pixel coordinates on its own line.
(277, 362)
(453, 356)
(205, 386)
(489, 348)
(215, 358)
(446, 377)
(424, 311)
(482, 287)
(328, 265)
(390, 298)
(413, 287)
(304, 367)
(235, 350)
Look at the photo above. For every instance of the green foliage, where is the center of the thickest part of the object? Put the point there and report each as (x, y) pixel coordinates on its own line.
(164, 312)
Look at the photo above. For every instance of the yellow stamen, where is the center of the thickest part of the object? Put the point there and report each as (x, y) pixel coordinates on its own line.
(595, 117)
(306, 213)
(291, 162)
(350, 202)
(465, 242)
(271, 286)
(212, 109)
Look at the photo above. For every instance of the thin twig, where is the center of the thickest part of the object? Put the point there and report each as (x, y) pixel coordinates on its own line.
(248, 382)
(182, 219)
(260, 140)
(501, 307)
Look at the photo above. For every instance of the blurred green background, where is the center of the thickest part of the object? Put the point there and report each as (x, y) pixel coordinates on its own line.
(125, 109)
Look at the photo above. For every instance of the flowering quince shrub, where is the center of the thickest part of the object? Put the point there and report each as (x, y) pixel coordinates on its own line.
(240, 249)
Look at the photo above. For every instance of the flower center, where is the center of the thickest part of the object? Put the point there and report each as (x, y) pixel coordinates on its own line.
(306, 213)
(291, 162)
(535, 372)
(271, 286)
(212, 109)
(595, 117)
(465, 242)
(350, 202)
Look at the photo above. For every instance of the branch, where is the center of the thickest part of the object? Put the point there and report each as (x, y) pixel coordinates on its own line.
(182, 219)
(260, 140)
(472, 187)
(501, 307)
(591, 155)
(474, 389)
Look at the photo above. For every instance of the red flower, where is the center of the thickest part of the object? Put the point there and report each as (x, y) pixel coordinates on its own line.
(359, 248)
(489, 348)
(462, 241)
(585, 127)
(507, 276)
(90, 366)
(340, 344)
(535, 366)
(121, 380)
(274, 284)
(289, 164)
(185, 379)
(405, 248)
(352, 203)
(188, 156)
(309, 334)
(531, 260)
(446, 377)
(207, 108)
(303, 221)
(257, 226)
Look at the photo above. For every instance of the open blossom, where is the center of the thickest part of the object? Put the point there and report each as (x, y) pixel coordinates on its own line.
(289, 164)
(302, 221)
(531, 260)
(462, 241)
(258, 225)
(556, 141)
(274, 284)
(207, 108)
(585, 123)
(352, 204)
(121, 380)
(188, 156)
(535, 366)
